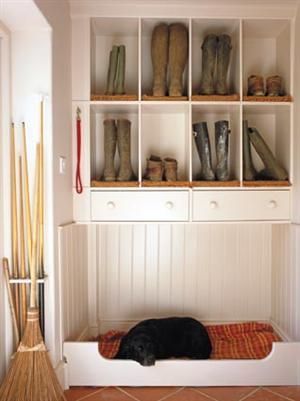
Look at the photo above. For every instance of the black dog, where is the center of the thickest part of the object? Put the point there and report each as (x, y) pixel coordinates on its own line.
(175, 337)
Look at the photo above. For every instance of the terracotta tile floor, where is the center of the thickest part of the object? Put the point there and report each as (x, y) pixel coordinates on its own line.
(287, 393)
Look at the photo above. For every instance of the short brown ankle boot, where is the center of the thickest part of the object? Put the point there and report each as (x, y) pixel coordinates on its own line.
(110, 146)
(255, 86)
(154, 169)
(170, 169)
(274, 86)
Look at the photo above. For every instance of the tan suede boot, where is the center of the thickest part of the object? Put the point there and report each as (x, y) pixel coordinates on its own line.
(178, 54)
(154, 169)
(123, 135)
(170, 169)
(159, 54)
(110, 145)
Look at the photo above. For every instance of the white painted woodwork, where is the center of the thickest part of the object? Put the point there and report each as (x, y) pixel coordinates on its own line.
(211, 114)
(86, 366)
(241, 205)
(271, 37)
(139, 206)
(105, 33)
(285, 279)
(73, 260)
(165, 133)
(273, 122)
(82, 205)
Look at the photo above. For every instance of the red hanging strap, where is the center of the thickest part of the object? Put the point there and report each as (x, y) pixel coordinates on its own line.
(79, 187)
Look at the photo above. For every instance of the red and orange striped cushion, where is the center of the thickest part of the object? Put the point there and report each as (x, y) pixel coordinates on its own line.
(251, 340)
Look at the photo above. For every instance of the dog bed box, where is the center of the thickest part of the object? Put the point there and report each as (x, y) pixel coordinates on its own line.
(113, 276)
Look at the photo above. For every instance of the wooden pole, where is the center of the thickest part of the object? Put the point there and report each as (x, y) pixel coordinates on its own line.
(41, 221)
(10, 300)
(26, 195)
(33, 259)
(14, 221)
(22, 254)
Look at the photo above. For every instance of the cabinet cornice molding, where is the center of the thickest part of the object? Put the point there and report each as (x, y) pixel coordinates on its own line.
(186, 8)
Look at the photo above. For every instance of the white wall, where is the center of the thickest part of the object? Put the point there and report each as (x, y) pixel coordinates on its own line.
(57, 14)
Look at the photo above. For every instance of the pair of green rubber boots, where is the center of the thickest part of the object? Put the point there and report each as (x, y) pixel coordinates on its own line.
(117, 132)
(116, 71)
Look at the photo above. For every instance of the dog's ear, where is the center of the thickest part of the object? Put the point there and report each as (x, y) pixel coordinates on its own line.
(123, 352)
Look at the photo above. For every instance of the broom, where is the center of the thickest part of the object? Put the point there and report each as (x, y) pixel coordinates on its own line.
(14, 222)
(31, 376)
(23, 292)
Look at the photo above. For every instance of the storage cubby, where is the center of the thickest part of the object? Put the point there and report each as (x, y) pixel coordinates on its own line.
(165, 133)
(106, 32)
(98, 113)
(148, 25)
(267, 51)
(200, 29)
(273, 122)
(210, 113)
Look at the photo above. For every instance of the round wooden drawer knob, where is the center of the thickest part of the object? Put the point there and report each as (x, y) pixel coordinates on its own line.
(169, 205)
(272, 204)
(213, 204)
(110, 205)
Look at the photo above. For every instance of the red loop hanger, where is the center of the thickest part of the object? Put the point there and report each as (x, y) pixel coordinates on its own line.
(79, 187)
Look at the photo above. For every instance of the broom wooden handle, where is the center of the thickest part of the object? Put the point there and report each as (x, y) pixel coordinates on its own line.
(10, 300)
(41, 194)
(26, 194)
(23, 304)
(33, 259)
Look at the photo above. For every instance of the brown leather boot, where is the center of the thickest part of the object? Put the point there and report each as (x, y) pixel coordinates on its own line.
(256, 86)
(274, 86)
(154, 169)
(110, 146)
(170, 169)
(159, 54)
(178, 54)
(123, 135)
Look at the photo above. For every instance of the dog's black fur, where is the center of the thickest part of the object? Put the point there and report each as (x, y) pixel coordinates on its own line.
(173, 337)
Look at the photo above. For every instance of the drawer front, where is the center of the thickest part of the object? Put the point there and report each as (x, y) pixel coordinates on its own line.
(140, 206)
(241, 205)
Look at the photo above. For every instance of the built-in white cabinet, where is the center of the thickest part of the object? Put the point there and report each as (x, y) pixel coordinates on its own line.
(163, 126)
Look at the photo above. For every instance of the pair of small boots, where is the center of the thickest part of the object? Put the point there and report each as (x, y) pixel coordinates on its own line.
(203, 147)
(169, 45)
(273, 86)
(158, 169)
(215, 64)
(272, 169)
(117, 132)
(115, 84)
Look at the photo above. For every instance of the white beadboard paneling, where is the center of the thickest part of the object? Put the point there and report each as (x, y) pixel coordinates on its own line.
(285, 279)
(73, 245)
(213, 272)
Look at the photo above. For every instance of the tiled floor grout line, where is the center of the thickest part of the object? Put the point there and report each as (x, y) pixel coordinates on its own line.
(251, 393)
(129, 395)
(165, 397)
(206, 395)
(281, 395)
(88, 395)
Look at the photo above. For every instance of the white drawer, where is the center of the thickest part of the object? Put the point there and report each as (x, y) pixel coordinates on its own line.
(241, 205)
(140, 206)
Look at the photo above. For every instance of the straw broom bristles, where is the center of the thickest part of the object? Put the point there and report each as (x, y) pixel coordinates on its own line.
(31, 376)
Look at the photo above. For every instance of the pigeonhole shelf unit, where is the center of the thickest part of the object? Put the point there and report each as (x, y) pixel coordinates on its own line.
(217, 251)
